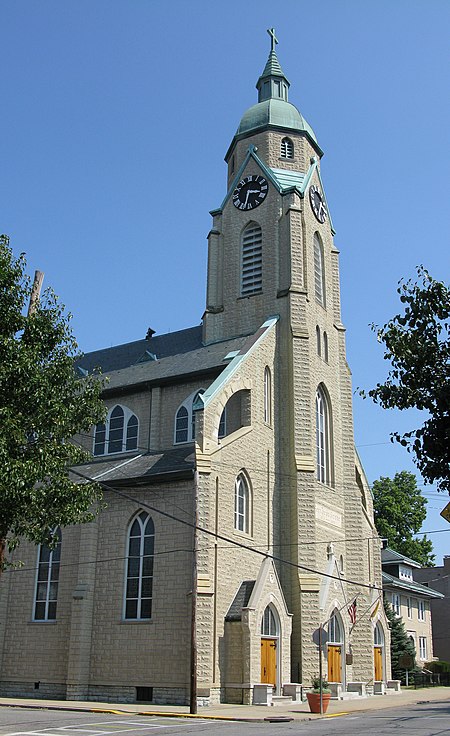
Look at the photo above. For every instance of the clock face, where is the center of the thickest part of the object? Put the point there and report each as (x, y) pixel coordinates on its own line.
(318, 204)
(250, 192)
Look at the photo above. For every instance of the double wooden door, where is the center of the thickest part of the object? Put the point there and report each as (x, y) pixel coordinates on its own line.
(269, 661)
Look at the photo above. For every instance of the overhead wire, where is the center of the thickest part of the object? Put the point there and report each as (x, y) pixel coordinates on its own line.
(142, 504)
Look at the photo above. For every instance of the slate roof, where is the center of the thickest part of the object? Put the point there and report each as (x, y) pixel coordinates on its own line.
(138, 468)
(161, 346)
(391, 557)
(178, 354)
(240, 601)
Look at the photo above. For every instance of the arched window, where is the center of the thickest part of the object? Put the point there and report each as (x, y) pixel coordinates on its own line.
(139, 571)
(318, 341)
(185, 419)
(335, 635)
(46, 593)
(119, 433)
(269, 623)
(251, 270)
(182, 425)
(287, 148)
(242, 504)
(325, 347)
(319, 271)
(378, 636)
(267, 395)
(323, 438)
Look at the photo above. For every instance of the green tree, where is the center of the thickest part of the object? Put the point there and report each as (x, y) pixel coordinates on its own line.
(400, 643)
(400, 510)
(417, 345)
(42, 405)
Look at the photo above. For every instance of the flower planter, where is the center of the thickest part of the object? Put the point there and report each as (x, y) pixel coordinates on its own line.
(314, 702)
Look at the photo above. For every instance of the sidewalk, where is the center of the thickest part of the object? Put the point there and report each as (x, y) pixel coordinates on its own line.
(296, 711)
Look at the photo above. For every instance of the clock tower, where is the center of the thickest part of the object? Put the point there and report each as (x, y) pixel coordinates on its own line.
(272, 255)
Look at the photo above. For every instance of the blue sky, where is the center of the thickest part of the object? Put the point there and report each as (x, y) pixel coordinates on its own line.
(116, 115)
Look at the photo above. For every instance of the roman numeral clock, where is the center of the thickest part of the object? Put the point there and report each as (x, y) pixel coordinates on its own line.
(250, 192)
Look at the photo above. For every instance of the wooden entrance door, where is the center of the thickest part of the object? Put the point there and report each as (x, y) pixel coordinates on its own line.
(378, 662)
(334, 663)
(269, 661)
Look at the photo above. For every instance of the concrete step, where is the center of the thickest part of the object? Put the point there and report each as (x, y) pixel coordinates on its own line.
(281, 700)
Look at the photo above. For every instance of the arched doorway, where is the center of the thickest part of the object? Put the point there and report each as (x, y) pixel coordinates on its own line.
(378, 646)
(270, 636)
(335, 648)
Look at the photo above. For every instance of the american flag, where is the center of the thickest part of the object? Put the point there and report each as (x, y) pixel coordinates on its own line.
(352, 612)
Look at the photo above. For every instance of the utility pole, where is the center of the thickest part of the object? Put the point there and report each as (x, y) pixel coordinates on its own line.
(193, 696)
(35, 292)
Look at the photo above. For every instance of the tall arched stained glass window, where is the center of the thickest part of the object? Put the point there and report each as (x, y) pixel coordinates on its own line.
(139, 573)
(46, 594)
(323, 438)
(242, 504)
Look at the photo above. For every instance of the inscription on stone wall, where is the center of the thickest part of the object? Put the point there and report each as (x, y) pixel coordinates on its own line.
(323, 513)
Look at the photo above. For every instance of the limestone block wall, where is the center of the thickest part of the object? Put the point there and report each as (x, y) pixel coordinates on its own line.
(39, 665)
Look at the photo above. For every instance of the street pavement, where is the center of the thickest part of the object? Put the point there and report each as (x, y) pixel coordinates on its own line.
(296, 711)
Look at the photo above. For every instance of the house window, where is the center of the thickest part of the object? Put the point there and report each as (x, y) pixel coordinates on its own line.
(422, 647)
(421, 610)
(139, 570)
(323, 435)
(242, 504)
(287, 148)
(319, 272)
(409, 606)
(251, 273)
(185, 419)
(46, 593)
(396, 603)
(119, 432)
(267, 395)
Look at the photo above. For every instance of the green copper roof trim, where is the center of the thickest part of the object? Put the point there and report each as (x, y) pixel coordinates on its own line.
(236, 363)
(251, 153)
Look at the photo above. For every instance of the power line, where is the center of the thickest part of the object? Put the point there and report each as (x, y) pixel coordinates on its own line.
(215, 535)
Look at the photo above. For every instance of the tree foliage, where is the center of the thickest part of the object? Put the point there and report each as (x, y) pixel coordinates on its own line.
(400, 510)
(42, 406)
(400, 642)
(418, 347)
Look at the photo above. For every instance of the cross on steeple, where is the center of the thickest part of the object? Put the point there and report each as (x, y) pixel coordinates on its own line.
(273, 38)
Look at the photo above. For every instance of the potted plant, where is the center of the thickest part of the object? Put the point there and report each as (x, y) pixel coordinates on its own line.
(313, 695)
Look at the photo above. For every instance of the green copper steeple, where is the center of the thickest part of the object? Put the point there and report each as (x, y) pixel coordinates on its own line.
(272, 84)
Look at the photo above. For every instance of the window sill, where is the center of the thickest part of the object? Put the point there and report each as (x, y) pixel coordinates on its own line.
(50, 621)
(134, 621)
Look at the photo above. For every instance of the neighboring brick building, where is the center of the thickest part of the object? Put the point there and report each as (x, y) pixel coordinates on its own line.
(410, 600)
(245, 421)
(438, 578)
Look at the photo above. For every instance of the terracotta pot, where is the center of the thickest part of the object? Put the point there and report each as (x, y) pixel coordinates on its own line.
(314, 701)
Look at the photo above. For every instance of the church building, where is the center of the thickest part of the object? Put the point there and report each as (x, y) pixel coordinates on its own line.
(236, 507)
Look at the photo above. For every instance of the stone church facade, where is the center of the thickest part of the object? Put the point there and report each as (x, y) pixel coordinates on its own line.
(241, 427)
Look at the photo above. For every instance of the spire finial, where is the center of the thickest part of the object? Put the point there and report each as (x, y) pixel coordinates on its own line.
(273, 38)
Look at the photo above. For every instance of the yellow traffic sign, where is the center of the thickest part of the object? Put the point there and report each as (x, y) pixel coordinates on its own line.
(445, 513)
